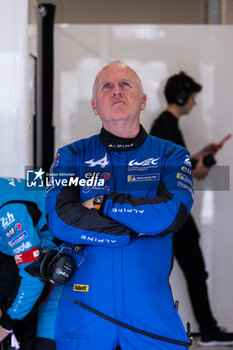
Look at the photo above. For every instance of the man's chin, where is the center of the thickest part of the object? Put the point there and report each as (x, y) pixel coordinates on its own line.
(120, 117)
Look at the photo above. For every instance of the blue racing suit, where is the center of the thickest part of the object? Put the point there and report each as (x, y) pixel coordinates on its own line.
(23, 231)
(148, 194)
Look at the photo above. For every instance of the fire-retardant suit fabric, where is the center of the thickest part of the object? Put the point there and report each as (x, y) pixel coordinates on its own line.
(147, 196)
(23, 232)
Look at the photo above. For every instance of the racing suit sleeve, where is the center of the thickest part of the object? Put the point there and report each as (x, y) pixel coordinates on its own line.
(69, 220)
(20, 239)
(164, 213)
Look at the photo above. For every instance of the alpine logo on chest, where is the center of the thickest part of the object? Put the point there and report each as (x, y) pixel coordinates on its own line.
(102, 162)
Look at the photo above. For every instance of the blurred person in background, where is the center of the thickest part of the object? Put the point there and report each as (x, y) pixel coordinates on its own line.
(180, 93)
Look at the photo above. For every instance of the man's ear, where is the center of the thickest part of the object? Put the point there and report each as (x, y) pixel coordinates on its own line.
(93, 103)
(144, 99)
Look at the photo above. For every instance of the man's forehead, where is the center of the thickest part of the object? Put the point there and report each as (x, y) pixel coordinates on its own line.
(113, 71)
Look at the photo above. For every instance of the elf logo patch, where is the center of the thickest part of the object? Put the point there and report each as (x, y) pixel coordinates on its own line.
(81, 288)
(12, 230)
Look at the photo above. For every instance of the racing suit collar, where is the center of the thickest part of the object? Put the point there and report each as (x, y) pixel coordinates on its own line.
(117, 144)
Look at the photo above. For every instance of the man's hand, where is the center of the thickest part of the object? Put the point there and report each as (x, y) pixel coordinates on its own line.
(208, 149)
(88, 204)
(200, 171)
(3, 334)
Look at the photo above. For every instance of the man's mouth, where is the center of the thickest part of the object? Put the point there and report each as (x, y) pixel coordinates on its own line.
(117, 102)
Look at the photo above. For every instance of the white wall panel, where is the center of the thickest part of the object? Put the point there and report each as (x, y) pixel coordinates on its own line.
(156, 52)
(14, 123)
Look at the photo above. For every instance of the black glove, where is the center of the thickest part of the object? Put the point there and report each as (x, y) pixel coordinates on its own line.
(209, 160)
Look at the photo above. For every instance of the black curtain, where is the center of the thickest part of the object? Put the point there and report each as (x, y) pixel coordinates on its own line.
(46, 55)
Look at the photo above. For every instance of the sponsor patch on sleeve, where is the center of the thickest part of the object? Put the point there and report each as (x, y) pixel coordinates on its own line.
(18, 239)
(81, 288)
(186, 170)
(26, 257)
(185, 178)
(187, 161)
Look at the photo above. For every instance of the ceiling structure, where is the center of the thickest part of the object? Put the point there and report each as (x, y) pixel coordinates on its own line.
(137, 11)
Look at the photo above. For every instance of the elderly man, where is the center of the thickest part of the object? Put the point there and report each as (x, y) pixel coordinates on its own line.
(126, 203)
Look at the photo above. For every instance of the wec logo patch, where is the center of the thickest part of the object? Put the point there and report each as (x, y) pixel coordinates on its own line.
(146, 162)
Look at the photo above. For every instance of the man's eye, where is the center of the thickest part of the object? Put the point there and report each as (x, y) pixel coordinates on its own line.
(125, 84)
(107, 86)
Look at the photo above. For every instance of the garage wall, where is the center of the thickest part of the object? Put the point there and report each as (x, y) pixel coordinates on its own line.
(156, 52)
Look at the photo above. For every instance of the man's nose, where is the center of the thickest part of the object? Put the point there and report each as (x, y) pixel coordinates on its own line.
(117, 92)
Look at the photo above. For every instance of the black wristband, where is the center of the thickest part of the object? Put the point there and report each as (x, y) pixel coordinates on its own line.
(209, 160)
(7, 322)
